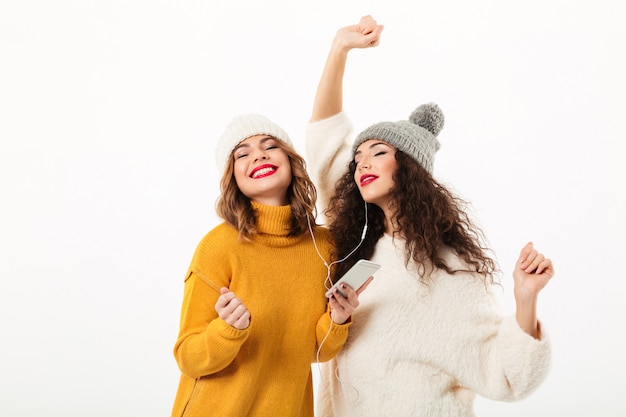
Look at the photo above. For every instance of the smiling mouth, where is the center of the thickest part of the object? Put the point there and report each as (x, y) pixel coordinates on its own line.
(367, 179)
(263, 171)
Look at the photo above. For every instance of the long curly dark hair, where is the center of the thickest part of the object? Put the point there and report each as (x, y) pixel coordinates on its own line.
(426, 214)
(235, 208)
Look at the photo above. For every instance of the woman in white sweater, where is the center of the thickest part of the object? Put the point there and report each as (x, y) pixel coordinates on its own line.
(429, 334)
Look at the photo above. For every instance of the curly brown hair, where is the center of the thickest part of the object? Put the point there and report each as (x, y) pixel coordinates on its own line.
(428, 216)
(236, 209)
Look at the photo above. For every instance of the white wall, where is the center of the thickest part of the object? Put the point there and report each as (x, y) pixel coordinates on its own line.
(109, 110)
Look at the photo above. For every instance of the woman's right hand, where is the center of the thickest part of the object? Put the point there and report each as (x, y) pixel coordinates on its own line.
(232, 310)
(366, 34)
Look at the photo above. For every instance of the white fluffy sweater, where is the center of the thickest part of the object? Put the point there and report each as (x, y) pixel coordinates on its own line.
(415, 349)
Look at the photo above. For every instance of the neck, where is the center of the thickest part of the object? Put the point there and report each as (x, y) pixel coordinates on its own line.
(391, 225)
(272, 201)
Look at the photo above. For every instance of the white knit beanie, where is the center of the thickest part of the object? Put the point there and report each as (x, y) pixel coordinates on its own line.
(241, 128)
(417, 136)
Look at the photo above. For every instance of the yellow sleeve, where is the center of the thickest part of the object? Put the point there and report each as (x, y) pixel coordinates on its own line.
(205, 344)
(330, 336)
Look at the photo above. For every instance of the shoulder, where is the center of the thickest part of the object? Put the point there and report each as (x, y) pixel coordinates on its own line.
(328, 136)
(462, 280)
(322, 232)
(322, 237)
(218, 240)
(452, 259)
(221, 231)
(214, 253)
(338, 122)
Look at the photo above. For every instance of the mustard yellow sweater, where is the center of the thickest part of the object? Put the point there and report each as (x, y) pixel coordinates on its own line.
(264, 370)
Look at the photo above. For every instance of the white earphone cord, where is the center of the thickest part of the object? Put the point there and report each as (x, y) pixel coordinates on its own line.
(328, 283)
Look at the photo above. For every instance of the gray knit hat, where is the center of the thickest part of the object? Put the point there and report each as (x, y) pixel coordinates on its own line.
(241, 128)
(417, 137)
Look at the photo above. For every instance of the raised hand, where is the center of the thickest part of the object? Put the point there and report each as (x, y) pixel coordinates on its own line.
(531, 274)
(532, 271)
(365, 34)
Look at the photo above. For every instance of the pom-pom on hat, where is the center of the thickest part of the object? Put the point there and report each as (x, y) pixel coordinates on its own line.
(417, 136)
(241, 128)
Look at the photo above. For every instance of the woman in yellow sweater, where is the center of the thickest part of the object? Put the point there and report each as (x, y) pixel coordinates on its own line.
(254, 315)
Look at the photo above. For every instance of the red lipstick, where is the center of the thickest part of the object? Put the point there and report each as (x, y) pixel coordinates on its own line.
(263, 171)
(367, 179)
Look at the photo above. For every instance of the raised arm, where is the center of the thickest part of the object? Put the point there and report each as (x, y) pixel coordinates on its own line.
(328, 131)
(329, 95)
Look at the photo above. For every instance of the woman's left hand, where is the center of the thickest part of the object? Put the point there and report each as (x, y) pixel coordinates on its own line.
(532, 272)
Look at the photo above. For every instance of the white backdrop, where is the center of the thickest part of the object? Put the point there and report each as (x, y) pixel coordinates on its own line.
(108, 115)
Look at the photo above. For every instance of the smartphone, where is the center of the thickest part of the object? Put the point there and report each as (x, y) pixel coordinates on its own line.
(356, 276)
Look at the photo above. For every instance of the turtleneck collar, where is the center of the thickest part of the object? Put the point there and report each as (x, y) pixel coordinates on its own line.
(273, 223)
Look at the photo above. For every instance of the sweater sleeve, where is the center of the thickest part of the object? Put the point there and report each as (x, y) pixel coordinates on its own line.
(525, 361)
(330, 337)
(491, 354)
(328, 152)
(206, 344)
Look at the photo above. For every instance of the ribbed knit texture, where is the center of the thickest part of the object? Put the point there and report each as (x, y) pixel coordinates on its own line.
(264, 370)
(417, 136)
(241, 128)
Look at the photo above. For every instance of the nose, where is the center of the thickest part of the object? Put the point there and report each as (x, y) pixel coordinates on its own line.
(260, 154)
(363, 164)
